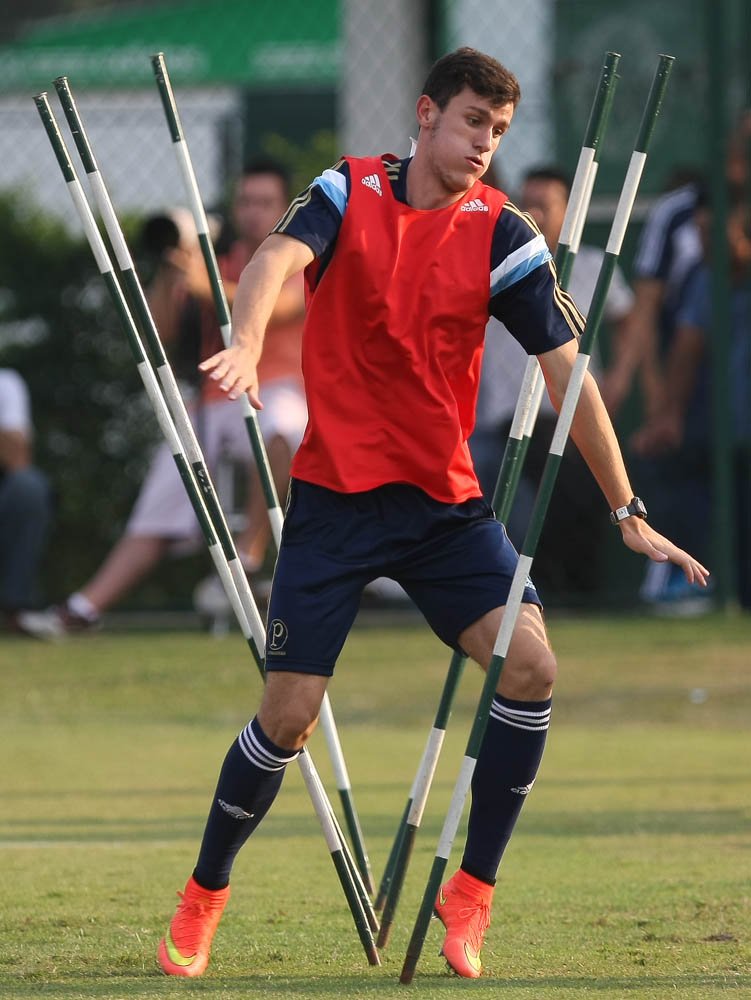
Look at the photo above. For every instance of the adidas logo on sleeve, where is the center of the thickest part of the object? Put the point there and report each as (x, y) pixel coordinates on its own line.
(475, 205)
(374, 183)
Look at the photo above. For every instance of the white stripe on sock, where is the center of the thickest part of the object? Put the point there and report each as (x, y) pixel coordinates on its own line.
(520, 712)
(258, 755)
(520, 719)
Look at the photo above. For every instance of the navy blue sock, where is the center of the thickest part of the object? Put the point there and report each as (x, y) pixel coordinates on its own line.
(504, 774)
(250, 778)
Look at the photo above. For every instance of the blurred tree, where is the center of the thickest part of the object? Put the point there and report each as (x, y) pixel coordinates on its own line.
(93, 424)
(94, 427)
(303, 160)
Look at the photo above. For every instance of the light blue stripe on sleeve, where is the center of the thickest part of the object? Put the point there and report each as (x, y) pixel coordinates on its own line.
(519, 264)
(334, 186)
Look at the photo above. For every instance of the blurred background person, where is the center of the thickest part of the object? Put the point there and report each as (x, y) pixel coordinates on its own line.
(25, 501)
(678, 435)
(162, 520)
(262, 195)
(667, 251)
(567, 557)
(668, 254)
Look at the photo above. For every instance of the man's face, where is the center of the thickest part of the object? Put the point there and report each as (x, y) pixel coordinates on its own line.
(260, 201)
(739, 235)
(546, 201)
(462, 138)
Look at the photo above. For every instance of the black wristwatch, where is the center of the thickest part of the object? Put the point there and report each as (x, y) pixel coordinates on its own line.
(635, 508)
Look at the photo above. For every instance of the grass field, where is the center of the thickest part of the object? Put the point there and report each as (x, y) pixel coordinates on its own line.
(629, 875)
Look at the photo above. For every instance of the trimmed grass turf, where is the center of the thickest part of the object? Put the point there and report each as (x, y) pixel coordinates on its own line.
(629, 874)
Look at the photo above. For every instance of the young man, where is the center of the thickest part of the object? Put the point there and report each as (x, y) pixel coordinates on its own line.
(403, 260)
(163, 517)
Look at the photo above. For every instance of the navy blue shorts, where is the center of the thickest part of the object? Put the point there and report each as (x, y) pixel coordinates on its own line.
(455, 561)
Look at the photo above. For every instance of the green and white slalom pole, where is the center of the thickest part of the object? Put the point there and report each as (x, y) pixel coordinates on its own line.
(533, 384)
(166, 376)
(185, 163)
(146, 323)
(525, 416)
(219, 541)
(169, 384)
(153, 390)
(586, 167)
(568, 407)
(404, 842)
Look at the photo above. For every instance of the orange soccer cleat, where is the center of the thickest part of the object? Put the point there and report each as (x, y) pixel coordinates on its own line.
(185, 948)
(463, 907)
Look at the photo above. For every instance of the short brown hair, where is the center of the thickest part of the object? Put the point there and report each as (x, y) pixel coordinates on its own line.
(467, 67)
(260, 165)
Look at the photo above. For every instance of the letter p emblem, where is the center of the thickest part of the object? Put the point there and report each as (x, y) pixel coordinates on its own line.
(277, 634)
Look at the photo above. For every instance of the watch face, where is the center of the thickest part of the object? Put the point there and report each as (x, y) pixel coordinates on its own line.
(635, 508)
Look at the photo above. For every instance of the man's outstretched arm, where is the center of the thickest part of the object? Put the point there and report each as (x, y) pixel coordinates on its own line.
(277, 258)
(595, 438)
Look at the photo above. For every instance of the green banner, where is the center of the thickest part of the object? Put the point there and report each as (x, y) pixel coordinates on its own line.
(233, 42)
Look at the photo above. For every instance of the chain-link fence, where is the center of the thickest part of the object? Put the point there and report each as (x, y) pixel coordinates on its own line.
(344, 76)
(132, 145)
(358, 71)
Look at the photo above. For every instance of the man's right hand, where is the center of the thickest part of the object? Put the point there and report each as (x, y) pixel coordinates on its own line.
(235, 369)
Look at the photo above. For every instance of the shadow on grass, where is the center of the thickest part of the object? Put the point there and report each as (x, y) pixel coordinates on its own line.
(592, 823)
(356, 986)
(138, 984)
(117, 793)
(606, 823)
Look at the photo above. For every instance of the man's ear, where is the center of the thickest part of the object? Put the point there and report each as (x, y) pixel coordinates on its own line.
(426, 111)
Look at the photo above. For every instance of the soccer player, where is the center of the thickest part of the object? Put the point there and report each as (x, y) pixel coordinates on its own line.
(404, 260)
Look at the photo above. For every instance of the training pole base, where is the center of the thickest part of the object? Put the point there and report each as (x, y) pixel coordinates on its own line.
(408, 971)
(383, 936)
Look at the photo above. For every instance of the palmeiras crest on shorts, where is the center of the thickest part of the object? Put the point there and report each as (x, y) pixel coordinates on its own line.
(277, 635)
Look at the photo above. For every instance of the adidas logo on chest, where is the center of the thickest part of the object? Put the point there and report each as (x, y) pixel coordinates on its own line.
(373, 181)
(475, 205)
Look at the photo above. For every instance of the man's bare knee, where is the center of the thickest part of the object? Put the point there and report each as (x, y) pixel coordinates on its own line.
(529, 669)
(291, 730)
(529, 674)
(290, 706)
